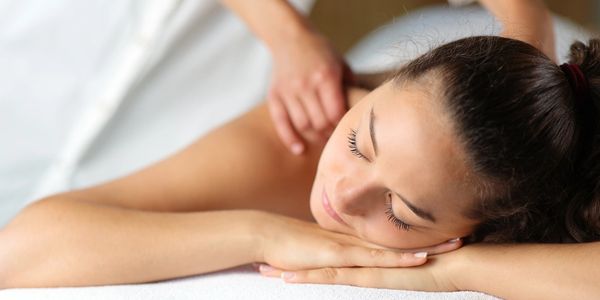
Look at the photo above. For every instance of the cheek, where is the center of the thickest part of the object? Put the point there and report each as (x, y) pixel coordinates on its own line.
(335, 153)
(331, 166)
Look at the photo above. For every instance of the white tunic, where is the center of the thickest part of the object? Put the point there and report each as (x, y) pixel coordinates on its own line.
(91, 90)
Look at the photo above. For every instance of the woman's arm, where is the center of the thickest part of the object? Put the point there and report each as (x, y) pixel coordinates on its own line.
(534, 271)
(64, 241)
(526, 20)
(515, 271)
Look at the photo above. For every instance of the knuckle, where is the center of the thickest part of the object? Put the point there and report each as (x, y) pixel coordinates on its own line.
(319, 75)
(321, 125)
(278, 115)
(330, 73)
(299, 84)
(376, 253)
(325, 72)
(330, 274)
(335, 247)
(405, 256)
(302, 124)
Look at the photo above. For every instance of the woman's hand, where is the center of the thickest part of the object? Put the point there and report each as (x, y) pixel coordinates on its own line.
(291, 244)
(306, 93)
(435, 275)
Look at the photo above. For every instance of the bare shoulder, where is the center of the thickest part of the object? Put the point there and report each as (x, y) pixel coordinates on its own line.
(240, 165)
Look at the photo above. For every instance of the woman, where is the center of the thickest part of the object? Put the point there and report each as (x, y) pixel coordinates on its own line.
(455, 144)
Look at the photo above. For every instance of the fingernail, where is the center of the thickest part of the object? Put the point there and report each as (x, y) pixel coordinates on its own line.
(297, 148)
(287, 275)
(265, 268)
(454, 240)
(420, 254)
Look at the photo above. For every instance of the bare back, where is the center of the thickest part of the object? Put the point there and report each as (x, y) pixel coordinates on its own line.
(241, 165)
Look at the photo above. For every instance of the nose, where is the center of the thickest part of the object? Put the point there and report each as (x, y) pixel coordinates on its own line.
(354, 195)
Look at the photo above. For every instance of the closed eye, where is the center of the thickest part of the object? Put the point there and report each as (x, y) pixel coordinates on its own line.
(392, 217)
(352, 145)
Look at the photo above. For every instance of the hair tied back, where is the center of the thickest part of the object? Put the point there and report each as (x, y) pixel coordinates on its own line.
(578, 82)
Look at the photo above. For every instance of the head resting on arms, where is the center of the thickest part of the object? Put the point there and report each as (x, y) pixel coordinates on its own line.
(482, 137)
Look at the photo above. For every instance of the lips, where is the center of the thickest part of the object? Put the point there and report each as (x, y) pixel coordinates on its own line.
(330, 211)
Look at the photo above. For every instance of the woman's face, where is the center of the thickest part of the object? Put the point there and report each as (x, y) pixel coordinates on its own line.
(393, 173)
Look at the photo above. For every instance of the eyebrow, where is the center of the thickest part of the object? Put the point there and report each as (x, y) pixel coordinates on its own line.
(372, 129)
(418, 211)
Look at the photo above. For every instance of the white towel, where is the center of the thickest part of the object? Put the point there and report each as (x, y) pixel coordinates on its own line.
(238, 283)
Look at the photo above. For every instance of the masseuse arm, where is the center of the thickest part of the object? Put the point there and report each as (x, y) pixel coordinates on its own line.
(275, 22)
(526, 20)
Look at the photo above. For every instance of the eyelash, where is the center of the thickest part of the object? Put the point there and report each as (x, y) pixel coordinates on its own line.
(352, 145)
(388, 211)
(392, 218)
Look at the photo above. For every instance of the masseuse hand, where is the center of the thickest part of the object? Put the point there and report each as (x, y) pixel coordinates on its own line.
(440, 274)
(306, 92)
(291, 244)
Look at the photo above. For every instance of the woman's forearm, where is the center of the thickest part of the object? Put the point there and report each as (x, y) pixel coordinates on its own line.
(67, 242)
(533, 271)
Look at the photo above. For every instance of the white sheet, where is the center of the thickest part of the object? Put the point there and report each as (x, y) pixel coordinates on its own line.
(238, 283)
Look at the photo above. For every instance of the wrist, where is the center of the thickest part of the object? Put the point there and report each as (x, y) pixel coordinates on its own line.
(256, 230)
(460, 267)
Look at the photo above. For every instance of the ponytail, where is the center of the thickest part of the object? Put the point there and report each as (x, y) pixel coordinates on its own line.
(582, 214)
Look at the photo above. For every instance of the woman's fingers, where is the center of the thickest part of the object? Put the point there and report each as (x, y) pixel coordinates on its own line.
(367, 277)
(388, 278)
(333, 100)
(283, 126)
(442, 248)
(296, 112)
(269, 271)
(315, 111)
(368, 257)
(420, 278)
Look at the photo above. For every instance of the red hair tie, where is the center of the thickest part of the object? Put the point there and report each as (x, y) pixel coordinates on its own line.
(578, 81)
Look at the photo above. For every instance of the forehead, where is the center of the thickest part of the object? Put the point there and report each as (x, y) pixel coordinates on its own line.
(418, 150)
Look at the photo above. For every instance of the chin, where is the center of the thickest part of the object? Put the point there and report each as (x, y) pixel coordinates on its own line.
(316, 209)
(314, 206)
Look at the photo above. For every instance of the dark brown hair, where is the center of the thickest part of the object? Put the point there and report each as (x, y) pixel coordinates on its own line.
(534, 150)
